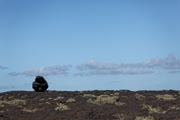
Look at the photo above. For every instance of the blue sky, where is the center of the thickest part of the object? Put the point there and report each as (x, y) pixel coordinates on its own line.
(90, 44)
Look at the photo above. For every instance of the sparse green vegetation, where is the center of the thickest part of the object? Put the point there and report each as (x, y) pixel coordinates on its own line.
(48, 103)
(1, 104)
(119, 116)
(58, 98)
(70, 100)
(139, 96)
(1, 111)
(116, 94)
(174, 108)
(42, 99)
(50, 98)
(119, 103)
(89, 95)
(105, 99)
(153, 109)
(179, 92)
(165, 97)
(144, 118)
(15, 102)
(29, 110)
(61, 107)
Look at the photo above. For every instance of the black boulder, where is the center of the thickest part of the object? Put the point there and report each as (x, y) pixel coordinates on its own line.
(40, 84)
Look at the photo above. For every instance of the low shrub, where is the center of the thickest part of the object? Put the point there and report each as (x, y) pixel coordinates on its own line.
(144, 118)
(165, 97)
(153, 109)
(70, 100)
(61, 107)
(105, 99)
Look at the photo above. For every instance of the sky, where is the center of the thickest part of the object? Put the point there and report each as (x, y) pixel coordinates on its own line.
(90, 44)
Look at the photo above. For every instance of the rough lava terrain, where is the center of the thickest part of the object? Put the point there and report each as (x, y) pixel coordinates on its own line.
(90, 105)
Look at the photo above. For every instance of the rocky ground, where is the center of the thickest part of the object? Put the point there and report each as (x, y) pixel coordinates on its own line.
(90, 105)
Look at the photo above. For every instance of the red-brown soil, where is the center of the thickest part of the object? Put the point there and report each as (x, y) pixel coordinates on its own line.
(90, 105)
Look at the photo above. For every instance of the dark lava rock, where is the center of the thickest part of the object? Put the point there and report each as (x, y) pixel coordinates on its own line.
(40, 84)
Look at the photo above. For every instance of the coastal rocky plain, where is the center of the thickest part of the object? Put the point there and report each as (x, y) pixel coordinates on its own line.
(90, 105)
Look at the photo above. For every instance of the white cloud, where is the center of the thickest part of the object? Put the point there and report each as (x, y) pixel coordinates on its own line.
(148, 67)
(3, 67)
(168, 63)
(174, 72)
(45, 71)
(96, 68)
(14, 73)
